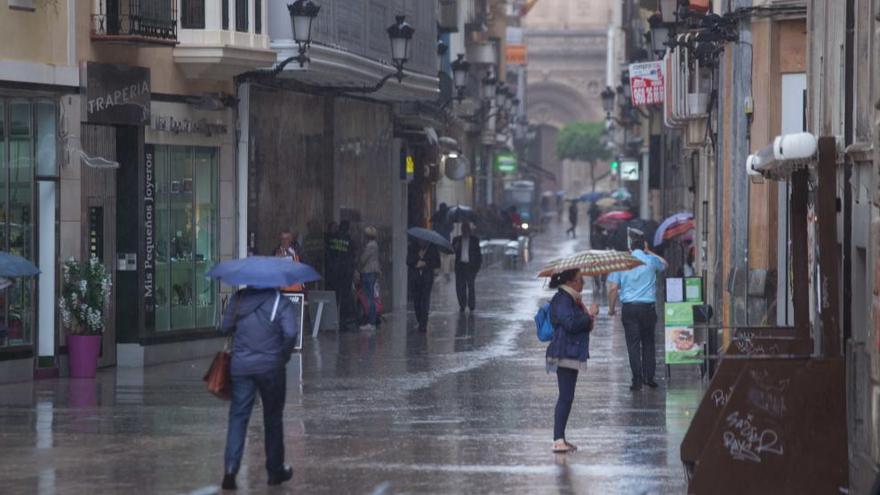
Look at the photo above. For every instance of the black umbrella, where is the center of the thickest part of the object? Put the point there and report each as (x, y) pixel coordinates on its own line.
(432, 237)
(618, 237)
(461, 213)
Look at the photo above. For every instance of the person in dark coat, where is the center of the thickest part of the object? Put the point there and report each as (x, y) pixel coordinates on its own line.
(264, 327)
(569, 349)
(423, 259)
(572, 218)
(342, 249)
(468, 260)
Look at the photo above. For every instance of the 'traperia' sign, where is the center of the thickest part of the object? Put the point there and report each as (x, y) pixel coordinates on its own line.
(117, 94)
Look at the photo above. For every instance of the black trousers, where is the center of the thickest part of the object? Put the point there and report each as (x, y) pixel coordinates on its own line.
(465, 278)
(422, 286)
(639, 321)
(341, 285)
(567, 379)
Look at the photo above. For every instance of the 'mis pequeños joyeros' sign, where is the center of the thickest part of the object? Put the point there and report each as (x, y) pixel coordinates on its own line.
(117, 94)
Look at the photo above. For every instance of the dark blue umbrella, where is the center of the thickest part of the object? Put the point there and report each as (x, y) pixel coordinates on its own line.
(592, 197)
(432, 237)
(12, 265)
(263, 272)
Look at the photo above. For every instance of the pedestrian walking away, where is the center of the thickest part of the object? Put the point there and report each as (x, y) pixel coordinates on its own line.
(423, 260)
(264, 328)
(637, 291)
(572, 219)
(468, 260)
(369, 273)
(569, 349)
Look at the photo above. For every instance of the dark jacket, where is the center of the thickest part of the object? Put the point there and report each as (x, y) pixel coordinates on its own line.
(474, 254)
(259, 345)
(572, 326)
(431, 259)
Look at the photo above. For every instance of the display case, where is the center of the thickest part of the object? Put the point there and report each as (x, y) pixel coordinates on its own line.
(186, 228)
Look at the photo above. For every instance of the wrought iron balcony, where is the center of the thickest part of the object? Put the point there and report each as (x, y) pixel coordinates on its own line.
(135, 21)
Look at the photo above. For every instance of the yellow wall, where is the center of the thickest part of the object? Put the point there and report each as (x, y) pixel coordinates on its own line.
(166, 76)
(38, 36)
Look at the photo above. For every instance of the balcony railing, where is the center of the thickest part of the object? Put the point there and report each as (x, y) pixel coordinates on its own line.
(147, 21)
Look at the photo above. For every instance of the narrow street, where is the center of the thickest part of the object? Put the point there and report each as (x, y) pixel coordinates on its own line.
(465, 408)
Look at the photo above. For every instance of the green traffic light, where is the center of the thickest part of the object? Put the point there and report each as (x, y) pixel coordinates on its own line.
(614, 165)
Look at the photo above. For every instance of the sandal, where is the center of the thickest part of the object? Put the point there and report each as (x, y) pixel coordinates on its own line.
(561, 447)
(571, 446)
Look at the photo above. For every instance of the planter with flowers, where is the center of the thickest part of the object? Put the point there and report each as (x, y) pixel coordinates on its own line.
(84, 295)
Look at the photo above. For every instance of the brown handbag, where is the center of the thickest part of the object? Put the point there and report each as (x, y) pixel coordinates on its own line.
(218, 380)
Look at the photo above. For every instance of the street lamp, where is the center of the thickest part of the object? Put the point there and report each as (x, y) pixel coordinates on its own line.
(489, 86)
(302, 13)
(460, 68)
(400, 33)
(608, 100)
(659, 34)
(501, 96)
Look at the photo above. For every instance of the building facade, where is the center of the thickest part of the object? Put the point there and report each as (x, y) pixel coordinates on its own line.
(567, 45)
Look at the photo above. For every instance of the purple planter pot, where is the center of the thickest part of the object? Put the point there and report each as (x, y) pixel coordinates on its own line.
(83, 353)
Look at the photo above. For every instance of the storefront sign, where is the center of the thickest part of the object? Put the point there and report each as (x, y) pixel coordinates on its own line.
(516, 55)
(647, 83)
(117, 94)
(506, 162)
(187, 126)
(681, 346)
(149, 257)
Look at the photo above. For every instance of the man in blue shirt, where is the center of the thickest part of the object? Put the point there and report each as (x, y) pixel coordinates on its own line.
(637, 289)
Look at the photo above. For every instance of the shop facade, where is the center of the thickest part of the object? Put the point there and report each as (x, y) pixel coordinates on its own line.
(29, 181)
(160, 219)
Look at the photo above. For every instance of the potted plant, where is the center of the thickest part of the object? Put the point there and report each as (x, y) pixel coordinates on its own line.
(84, 295)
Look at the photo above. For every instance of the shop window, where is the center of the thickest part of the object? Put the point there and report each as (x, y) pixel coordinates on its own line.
(27, 130)
(187, 228)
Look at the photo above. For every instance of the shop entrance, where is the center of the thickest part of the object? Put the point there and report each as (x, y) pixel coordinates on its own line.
(99, 220)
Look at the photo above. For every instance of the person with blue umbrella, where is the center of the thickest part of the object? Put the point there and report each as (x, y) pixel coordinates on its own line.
(263, 327)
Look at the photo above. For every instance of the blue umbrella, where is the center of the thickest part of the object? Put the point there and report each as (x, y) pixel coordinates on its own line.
(263, 272)
(621, 194)
(432, 237)
(592, 197)
(12, 265)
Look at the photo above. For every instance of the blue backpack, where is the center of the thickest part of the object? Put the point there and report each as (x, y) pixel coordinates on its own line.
(542, 321)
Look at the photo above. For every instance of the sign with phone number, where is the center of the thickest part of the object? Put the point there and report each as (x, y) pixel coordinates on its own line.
(647, 83)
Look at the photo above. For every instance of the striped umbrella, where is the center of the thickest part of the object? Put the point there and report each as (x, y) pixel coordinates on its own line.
(592, 263)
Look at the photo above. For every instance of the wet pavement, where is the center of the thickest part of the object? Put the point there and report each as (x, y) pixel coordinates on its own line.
(464, 408)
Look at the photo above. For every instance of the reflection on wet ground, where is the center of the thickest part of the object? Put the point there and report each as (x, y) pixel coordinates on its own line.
(464, 408)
